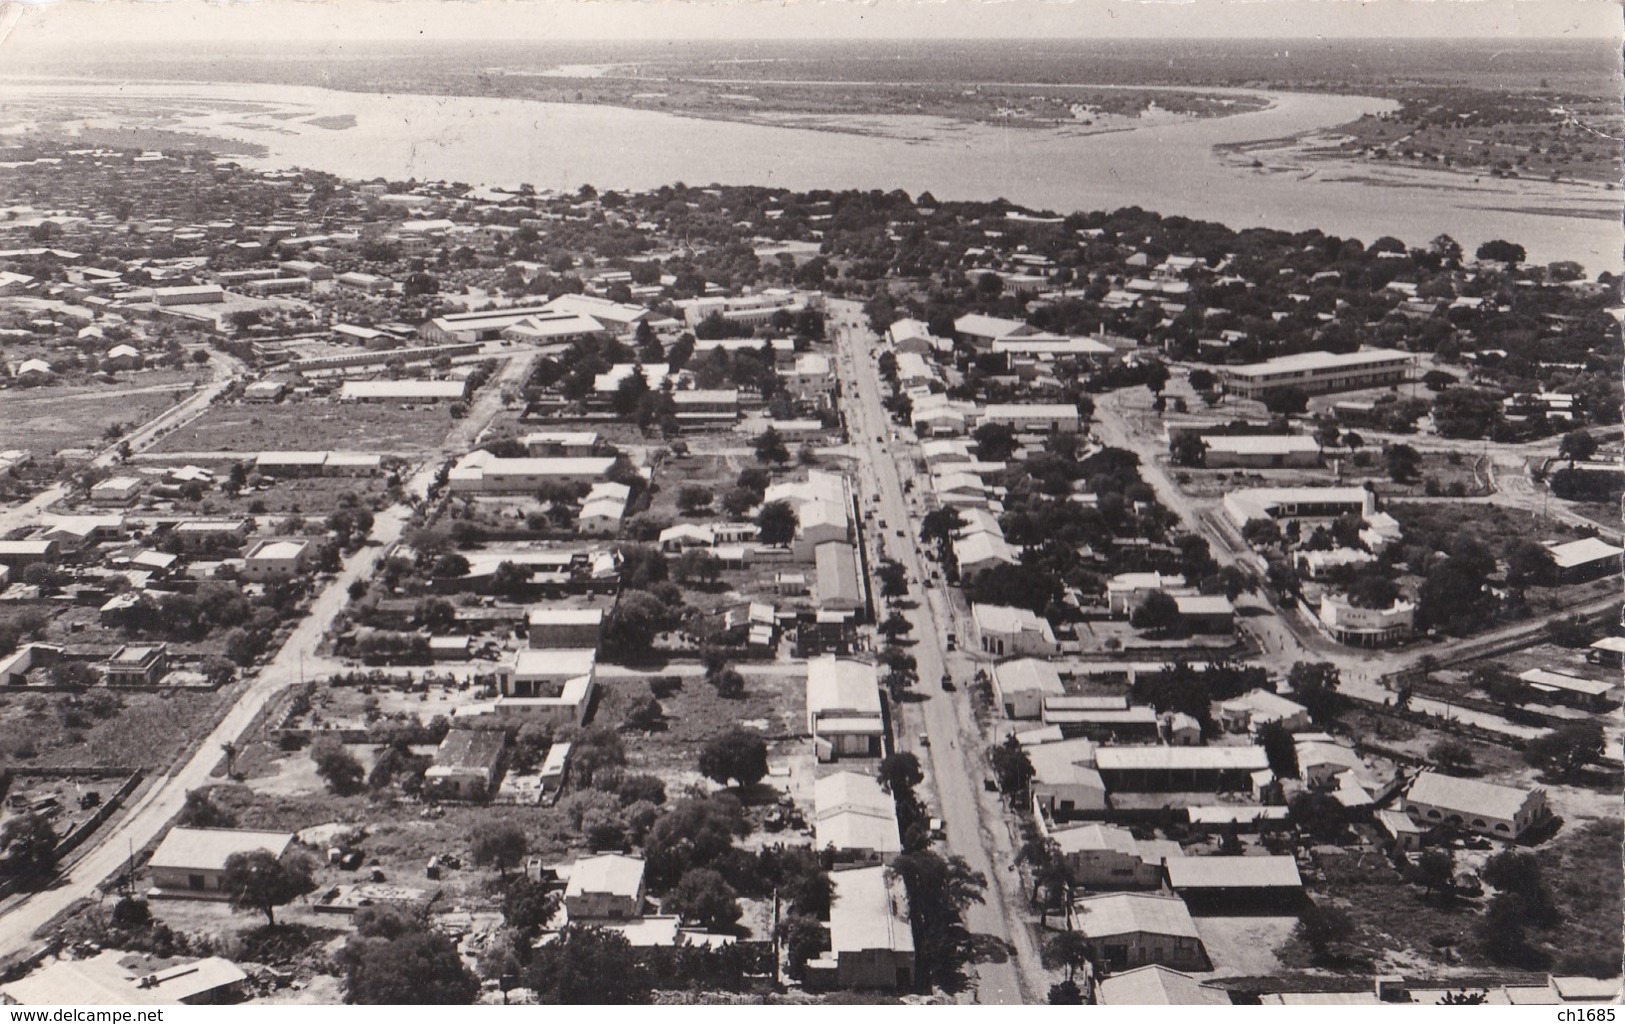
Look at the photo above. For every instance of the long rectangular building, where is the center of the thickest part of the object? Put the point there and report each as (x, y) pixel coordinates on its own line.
(1319, 373)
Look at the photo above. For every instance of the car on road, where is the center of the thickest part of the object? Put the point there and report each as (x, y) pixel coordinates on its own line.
(900, 533)
(948, 682)
(925, 741)
(952, 640)
(935, 827)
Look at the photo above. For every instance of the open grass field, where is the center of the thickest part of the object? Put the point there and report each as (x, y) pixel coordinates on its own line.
(1500, 528)
(313, 426)
(149, 730)
(46, 420)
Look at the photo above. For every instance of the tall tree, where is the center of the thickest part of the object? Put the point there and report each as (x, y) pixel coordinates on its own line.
(261, 881)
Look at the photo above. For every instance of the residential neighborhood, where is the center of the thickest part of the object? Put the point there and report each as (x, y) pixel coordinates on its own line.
(412, 591)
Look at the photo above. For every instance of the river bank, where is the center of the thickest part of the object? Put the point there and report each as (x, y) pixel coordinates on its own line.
(1174, 168)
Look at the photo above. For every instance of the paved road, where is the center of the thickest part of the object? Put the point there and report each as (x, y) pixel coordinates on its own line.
(974, 823)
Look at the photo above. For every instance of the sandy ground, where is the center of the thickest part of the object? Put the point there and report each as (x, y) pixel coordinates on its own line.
(1244, 945)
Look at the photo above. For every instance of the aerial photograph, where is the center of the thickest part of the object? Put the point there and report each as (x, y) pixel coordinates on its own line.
(783, 504)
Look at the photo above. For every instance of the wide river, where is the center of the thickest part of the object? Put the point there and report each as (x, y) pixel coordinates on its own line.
(1172, 168)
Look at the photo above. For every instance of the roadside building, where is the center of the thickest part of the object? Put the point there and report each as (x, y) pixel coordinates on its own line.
(191, 862)
(1589, 558)
(838, 587)
(1366, 627)
(1503, 812)
(403, 391)
(116, 490)
(1250, 504)
(188, 295)
(1610, 651)
(1402, 831)
(265, 391)
(467, 765)
(554, 686)
(979, 552)
(481, 472)
(607, 887)
(844, 715)
(855, 819)
(481, 326)
(1260, 451)
(1573, 691)
(1065, 783)
(277, 560)
(1156, 985)
(1089, 717)
(122, 357)
(553, 444)
(1130, 929)
(1318, 373)
(136, 665)
(1035, 419)
(1205, 613)
(1012, 632)
(1109, 857)
(551, 628)
(871, 937)
(290, 464)
(1021, 686)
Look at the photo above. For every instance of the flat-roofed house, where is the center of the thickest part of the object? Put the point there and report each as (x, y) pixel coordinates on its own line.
(843, 708)
(608, 887)
(1610, 651)
(1065, 783)
(577, 628)
(1259, 451)
(191, 862)
(1134, 929)
(115, 978)
(1156, 985)
(547, 685)
(561, 443)
(1012, 632)
(1503, 812)
(1020, 686)
(855, 818)
(1589, 558)
(1180, 769)
(116, 490)
(871, 937)
(278, 559)
(265, 391)
(136, 665)
(467, 765)
(403, 391)
(1109, 857)
(1318, 373)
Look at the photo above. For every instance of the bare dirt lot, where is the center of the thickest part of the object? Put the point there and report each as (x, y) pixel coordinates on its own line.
(313, 426)
(45, 420)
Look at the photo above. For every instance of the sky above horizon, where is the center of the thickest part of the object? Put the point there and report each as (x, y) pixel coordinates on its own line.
(50, 25)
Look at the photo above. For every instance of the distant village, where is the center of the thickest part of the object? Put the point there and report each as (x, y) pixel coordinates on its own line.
(411, 592)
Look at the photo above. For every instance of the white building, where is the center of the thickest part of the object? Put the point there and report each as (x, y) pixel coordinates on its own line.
(278, 560)
(1366, 627)
(1499, 811)
(855, 818)
(1012, 632)
(1021, 686)
(843, 708)
(1318, 373)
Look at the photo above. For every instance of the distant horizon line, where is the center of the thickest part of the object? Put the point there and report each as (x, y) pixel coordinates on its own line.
(1502, 41)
